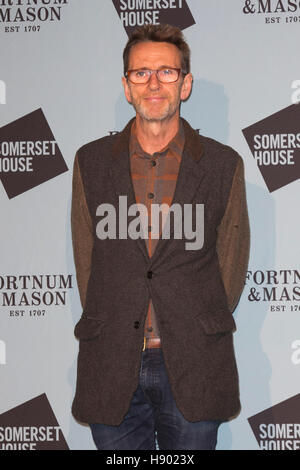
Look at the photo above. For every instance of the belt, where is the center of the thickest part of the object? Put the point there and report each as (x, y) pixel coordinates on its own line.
(151, 343)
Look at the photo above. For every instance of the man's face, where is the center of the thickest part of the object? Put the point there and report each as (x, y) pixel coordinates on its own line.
(156, 101)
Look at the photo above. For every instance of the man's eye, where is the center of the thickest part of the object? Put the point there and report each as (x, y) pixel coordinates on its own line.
(167, 71)
(140, 73)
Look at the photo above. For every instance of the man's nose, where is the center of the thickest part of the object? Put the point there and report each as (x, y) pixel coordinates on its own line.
(154, 83)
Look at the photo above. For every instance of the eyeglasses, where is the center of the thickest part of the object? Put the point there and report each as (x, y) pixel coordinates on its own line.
(164, 75)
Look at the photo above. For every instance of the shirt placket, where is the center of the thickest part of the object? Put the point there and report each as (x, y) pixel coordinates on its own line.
(151, 198)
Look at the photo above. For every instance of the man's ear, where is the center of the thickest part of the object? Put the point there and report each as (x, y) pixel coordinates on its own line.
(186, 87)
(126, 89)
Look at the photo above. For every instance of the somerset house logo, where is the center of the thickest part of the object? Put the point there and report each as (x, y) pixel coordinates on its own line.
(31, 426)
(275, 146)
(29, 154)
(278, 427)
(134, 13)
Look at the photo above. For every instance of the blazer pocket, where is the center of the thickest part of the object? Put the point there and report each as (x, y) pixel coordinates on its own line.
(216, 322)
(88, 328)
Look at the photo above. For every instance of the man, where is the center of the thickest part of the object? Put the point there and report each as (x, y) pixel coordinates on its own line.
(156, 351)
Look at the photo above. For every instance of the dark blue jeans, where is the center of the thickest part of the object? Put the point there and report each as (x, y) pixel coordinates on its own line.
(152, 415)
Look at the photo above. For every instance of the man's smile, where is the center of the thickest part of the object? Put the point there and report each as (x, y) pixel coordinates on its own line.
(154, 99)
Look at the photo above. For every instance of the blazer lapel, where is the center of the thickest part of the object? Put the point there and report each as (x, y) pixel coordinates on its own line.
(189, 177)
(121, 175)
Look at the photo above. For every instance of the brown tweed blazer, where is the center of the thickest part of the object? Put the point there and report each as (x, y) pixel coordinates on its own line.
(194, 292)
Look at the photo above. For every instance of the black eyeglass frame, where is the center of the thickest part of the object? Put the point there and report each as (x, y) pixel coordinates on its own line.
(156, 71)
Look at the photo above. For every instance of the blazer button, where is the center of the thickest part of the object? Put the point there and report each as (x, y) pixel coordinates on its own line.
(136, 325)
(149, 274)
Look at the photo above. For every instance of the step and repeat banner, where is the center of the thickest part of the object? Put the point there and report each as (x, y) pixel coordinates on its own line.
(60, 87)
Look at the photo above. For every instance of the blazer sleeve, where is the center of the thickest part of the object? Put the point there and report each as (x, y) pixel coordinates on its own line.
(82, 232)
(233, 241)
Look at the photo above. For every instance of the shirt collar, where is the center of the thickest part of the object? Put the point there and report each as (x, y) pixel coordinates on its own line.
(175, 146)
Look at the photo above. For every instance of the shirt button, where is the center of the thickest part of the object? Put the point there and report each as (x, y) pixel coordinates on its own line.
(153, 163)
(150, 195)
(150, 329)
(136, 325)
(149, 274)
(149, 228)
